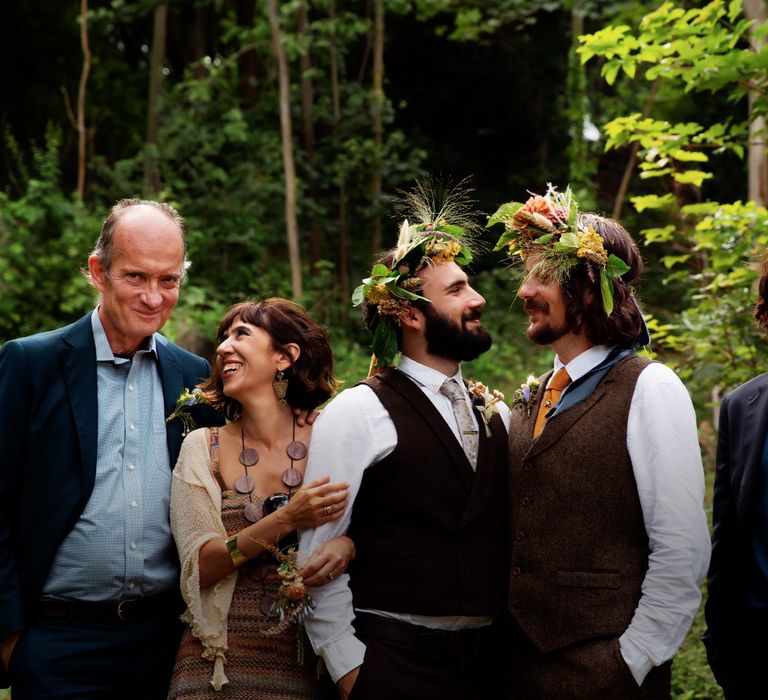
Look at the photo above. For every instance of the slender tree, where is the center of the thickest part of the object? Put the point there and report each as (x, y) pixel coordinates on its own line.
(286, 137)
(156, 61)
(308, 126)
(377, 107)
(343, 233)
(757, 161)
(81, 130)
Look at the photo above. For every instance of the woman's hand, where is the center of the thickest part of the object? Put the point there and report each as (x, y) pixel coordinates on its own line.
(315, 503)
(329, 561)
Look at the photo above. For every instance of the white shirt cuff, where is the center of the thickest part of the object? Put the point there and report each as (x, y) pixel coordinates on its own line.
(342, 656)
(639, 664)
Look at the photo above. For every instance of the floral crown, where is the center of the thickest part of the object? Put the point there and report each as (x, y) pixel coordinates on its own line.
(550, 226)
(434, 240)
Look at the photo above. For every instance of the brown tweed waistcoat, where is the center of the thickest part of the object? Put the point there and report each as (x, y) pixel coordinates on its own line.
(578, 545)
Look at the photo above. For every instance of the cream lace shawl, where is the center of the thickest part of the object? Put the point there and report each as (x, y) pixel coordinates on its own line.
(196, 519)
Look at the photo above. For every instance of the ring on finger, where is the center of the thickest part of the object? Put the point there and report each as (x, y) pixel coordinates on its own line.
(327, 510)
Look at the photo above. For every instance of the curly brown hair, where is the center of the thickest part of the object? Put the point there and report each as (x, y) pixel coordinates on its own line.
(625, 326)
(310, 377)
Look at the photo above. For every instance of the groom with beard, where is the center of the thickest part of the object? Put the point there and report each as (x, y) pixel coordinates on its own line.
(412, 618)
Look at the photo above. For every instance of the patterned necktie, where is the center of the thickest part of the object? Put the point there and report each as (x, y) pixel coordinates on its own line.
(469, 439)
(559, 381)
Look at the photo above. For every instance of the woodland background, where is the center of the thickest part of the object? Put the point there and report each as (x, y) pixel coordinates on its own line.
(283, 131)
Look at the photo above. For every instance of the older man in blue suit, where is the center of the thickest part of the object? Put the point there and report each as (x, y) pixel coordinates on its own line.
(88, 569)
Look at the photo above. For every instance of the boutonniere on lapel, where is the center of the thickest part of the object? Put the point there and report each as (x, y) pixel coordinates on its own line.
(485, 401)
(525, 396)
(186, 400)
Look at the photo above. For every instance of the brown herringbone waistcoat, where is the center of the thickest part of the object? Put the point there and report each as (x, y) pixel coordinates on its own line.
(578, 545)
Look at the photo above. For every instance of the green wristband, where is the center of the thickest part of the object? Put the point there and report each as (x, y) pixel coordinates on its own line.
(238, 559)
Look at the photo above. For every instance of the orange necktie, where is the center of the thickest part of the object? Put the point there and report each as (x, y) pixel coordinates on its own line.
(559, 381)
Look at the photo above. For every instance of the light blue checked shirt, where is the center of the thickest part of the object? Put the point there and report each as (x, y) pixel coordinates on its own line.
(121, 545)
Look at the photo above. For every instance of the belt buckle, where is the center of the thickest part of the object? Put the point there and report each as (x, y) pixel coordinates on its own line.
(124, 611)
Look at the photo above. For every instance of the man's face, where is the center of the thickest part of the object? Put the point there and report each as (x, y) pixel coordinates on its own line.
(452, 325)
(140, 290)
(545, 306)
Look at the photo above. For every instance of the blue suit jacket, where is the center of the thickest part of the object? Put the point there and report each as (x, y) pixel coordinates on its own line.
(48, 440)
(742, 430)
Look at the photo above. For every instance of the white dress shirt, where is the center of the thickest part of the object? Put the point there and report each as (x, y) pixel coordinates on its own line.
(352, 433)
(663, 445)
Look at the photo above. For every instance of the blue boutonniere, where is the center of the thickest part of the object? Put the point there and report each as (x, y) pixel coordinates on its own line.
(525, 396)
(186, 400)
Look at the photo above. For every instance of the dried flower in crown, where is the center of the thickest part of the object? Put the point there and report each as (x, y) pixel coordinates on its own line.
(549, 226)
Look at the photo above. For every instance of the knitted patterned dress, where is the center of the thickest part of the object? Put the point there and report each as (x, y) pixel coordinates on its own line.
(261, 658)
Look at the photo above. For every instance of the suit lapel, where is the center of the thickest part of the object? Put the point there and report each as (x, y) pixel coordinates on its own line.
(752, 439)
(79, 369)
(172, 379)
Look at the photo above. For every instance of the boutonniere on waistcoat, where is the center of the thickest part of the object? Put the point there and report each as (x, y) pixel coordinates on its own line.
(293, 603)
(485, 401)
(186, 400)
(525, 396)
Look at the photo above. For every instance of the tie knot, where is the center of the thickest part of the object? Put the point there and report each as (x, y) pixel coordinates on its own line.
(559, 381)
(452, 390)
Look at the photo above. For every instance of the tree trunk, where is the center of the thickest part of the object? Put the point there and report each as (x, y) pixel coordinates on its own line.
(377, 123)
(621, 194)
(286, 136)
(757, 161)
(82, 141)
(248, 62)
(307, 110)
(580, 168)
(343, 254)
(156, 61)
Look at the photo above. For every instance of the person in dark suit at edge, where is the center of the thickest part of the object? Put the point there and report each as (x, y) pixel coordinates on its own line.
(737, 604)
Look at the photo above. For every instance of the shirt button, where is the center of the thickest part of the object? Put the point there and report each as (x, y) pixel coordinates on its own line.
(526, 500)
(515, 570)
(132, 426)
(134, 545)
(131, 585)
(527, 467)
(131, 467)
(134, 504)
(130, 387)
(519, 535)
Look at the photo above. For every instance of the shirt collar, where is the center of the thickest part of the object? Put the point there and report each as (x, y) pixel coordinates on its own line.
(104, 350)
(426, 376)
(581, 364)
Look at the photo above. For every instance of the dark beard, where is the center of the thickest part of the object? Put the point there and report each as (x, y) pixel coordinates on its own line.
(546, 333)
(452, 341)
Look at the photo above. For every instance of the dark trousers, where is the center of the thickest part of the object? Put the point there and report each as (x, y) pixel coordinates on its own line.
(589, 670)
(410, 662)
(59, 657)
(740, 666)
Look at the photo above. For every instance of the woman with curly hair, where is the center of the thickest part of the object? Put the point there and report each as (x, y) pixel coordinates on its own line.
(237, 500)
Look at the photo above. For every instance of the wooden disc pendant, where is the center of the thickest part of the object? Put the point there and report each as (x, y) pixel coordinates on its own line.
(252, 512)
(292, 477)
(244, 484)
(249, 457)
(296, 450)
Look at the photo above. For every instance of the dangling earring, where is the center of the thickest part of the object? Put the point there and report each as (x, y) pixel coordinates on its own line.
(280, 386)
